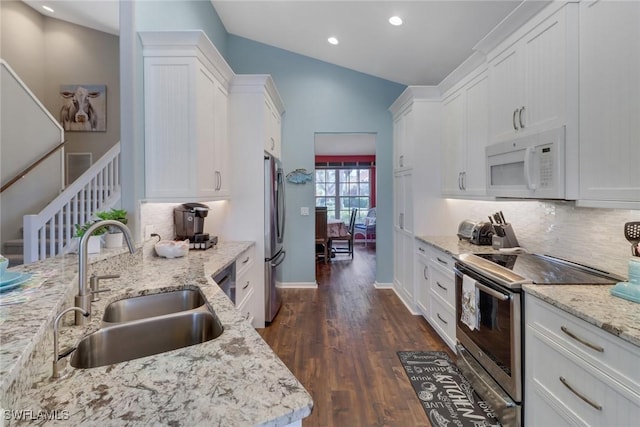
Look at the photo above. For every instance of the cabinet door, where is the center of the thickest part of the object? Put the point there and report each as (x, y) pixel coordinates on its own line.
(477, 136)
(506, 85)
(206, 124)
(221, 143)
(421, 278)
(544, 74)
(610, 102)
(452, 143)
(402, 134)
(272, 129)
(167, 126)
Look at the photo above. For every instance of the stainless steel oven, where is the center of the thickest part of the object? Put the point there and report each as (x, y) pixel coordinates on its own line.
(490, 321)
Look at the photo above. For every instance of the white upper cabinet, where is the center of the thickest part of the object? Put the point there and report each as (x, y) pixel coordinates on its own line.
(610, 104)
(465, 133)
(273, 129)
(186, 117)
(532, 75)
(403, 140)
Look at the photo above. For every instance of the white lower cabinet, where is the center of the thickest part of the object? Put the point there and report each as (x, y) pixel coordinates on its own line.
(576, 373)
(247, 287)
(435, 290)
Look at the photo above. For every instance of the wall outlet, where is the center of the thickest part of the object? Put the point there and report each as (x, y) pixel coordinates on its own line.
(149, 229)
(304, 211)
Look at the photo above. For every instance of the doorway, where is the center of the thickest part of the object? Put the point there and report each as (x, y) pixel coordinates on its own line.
(345, 185)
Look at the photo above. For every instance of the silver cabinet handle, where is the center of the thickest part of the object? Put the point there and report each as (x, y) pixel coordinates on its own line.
(401, 160)
(442, 287)
(246, 260)
(424, 273)
(513, 119)
(580, 395)
(441, 261)
(273, 143)
(246, 285)
(459, 180)
(464, 180)
(421, 250)
(581, 340)
(401, 220)
(441, 319)
(520, 117)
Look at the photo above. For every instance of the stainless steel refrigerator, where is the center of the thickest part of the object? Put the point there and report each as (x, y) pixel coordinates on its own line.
(273, 234)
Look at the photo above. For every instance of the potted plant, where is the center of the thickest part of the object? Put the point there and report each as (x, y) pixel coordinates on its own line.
(93, 245)
(113, 239)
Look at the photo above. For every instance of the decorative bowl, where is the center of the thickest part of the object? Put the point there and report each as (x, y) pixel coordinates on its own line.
(172, 248)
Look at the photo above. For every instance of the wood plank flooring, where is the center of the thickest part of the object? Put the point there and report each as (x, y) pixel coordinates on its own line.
(340, 341)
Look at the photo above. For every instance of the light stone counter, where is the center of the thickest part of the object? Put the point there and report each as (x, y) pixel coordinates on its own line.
(233, 380)
(592, 303)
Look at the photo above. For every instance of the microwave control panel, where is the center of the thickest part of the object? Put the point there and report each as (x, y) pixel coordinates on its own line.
(546, 166)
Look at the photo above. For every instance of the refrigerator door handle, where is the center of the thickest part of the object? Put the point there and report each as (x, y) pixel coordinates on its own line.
(280, 258)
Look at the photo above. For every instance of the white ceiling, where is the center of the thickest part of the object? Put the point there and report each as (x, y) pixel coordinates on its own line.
(436, 37)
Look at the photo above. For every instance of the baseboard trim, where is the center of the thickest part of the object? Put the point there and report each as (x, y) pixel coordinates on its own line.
(298, 285)
(379, 285)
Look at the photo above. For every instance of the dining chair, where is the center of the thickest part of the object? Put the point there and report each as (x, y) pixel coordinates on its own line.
(348, 238)
(368, 228)
(322, 237)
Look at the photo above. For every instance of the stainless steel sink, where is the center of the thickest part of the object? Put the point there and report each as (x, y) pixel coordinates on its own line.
(146, 306)
(139, 338)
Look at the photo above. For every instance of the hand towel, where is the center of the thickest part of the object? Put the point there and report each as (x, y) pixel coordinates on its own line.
(470, 314)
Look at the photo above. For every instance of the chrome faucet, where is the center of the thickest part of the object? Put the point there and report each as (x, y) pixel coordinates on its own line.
(83, 299)
(58, 359)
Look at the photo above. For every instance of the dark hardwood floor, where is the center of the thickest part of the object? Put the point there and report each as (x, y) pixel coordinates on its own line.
(340, 341)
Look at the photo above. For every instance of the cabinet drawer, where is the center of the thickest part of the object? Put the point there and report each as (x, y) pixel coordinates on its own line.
(442, 259)
(245, 307)
(244, 261)
(601, 349)
(422, 249)
(443, 319)
(442, 283)
(574, 388)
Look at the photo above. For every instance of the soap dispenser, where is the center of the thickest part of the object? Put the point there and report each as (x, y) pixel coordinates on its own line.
(631, 290)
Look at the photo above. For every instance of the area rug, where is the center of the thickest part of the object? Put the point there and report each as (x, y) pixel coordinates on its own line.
(446, 396)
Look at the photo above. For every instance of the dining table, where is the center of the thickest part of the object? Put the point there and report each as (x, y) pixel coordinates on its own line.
(336, 228)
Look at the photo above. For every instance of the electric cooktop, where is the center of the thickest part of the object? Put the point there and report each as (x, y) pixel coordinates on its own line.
(514, 270)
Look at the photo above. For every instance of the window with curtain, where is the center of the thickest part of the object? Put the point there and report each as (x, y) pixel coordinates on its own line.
(342, 189)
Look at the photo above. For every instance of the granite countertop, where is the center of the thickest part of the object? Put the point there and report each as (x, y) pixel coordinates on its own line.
(591, 303)
(233, 380)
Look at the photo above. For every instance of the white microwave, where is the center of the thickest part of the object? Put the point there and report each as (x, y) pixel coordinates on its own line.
(528, 167)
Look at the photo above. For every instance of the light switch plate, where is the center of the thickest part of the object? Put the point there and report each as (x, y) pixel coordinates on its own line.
(304, 211)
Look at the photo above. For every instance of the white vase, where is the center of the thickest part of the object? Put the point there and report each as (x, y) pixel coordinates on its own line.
(94, 244)
(113, 240)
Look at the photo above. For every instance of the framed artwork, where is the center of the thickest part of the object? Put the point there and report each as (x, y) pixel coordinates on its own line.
(83, 108)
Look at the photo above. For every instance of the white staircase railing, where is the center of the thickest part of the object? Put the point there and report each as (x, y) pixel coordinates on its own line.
(47, 233)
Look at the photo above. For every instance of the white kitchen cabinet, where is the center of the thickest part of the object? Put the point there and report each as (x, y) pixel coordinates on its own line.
(273, 128)
(465, 133)
(248, 285)
(403, 237)
(442, 311)
(186, 109)
(610, 104)
(532, 75)
(575, 372)
(402, 139)
(421, 277)
(250, 127)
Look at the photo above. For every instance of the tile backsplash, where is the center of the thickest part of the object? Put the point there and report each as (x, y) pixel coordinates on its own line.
(590, 236)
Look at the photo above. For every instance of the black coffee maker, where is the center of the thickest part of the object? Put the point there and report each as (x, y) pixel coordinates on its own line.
(188, 219)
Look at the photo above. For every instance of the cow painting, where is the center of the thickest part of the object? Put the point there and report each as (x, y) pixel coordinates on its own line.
(83, 108)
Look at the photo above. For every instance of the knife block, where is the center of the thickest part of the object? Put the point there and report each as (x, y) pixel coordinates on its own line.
(505, 237)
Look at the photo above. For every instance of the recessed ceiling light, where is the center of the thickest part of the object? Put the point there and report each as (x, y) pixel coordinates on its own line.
(333, 40)
(48, 9)
(395, 20)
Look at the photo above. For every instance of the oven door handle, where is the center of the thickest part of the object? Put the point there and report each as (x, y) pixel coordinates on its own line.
(492, 292)
(485, 288)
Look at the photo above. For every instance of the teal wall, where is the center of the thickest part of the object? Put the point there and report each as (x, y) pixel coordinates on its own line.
(320, 97)
(167, 15)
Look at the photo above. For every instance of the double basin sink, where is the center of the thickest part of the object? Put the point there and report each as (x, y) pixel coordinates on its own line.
(146, 325)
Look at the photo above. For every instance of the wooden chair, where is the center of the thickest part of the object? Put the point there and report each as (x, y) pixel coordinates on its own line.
(348, 238)
(322, 237)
